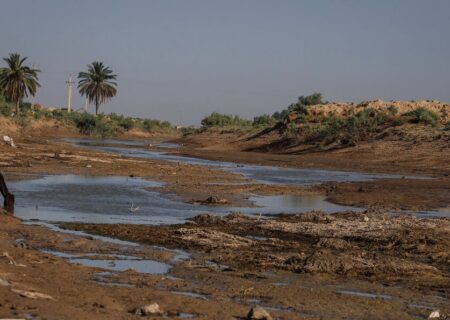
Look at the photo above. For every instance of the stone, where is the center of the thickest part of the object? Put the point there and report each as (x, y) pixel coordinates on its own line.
(434, 315)
(149, 310)
(9, 141)
(215, 200)
(4, 283)
(258, 313)
(33, 295)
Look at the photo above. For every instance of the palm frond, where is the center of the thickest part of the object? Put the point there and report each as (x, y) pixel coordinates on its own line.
(96, 84)
(18, 81)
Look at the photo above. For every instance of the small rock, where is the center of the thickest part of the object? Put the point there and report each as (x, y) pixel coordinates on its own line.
(434, 315)
(366, 219)
(149, 310)
(9, 141)
(173, 313)
(215, 200)
(88, 166)
(4, 283)
(258, 313)
(33, 295)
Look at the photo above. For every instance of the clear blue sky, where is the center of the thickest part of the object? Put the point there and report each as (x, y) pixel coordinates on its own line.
(181, 60)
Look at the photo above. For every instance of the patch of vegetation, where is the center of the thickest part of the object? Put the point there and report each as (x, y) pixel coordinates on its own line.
(447, 126)
(393, 110)
(101, 125)
(364, 125)
(151, 125)
(6, 108)
(92, 125)
(190, 130)
(220, 120)
(421, 115)
(264, 121)
(301, 106)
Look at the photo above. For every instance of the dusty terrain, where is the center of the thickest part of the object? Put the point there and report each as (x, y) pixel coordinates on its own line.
(416, 155)
(310, 267)
(313, 266)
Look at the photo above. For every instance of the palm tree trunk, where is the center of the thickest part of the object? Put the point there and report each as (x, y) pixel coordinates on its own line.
(17, 107)
(97, 105)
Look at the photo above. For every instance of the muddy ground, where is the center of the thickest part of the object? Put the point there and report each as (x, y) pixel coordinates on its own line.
(314, 266)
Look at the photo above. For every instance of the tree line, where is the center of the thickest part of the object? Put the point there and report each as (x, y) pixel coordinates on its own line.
(17, 81)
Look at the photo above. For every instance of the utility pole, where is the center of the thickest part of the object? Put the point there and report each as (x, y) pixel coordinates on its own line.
(86, 103)
(69, 94)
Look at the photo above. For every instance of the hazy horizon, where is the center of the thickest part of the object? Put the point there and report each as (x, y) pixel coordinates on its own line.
(181, 60)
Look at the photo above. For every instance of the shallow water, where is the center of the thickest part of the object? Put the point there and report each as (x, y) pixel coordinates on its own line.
(365, 294)
(117, 263)
(67, 198)
(90, 199)
(261, 174)
(294, 203)
(191, 294)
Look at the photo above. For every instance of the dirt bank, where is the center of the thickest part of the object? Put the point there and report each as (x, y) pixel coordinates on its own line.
(301, 270)
(402, 252)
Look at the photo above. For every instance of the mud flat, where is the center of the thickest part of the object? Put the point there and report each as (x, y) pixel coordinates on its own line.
(293, 264)
(316, 265)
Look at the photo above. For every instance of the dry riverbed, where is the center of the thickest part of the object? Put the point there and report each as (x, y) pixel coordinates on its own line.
(368, 265)
(312, 266)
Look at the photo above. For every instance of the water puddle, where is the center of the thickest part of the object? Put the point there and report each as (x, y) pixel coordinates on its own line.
(257, 238)
(439, 213)
(262, 174)
(420, 306)
(114, 262)
(297, 203)
(191, 294)
(55, 228)
(91, 199)
(365, 294)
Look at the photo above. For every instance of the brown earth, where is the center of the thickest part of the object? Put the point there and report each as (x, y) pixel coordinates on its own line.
(307, 268)
(303, 266)
(344, 109)
(420, 154)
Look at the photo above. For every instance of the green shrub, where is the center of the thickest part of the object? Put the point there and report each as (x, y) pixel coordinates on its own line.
(92, 125)
(393, 110)
(6, 108)
(189, 130)
(447, 126)
(216, 119)
(155, 125)
(22, 120)
(264, 121)
(280, 115)
(360, 126)
(421, 115)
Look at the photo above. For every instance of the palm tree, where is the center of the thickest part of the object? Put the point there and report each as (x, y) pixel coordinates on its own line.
(17, 80)
(97, 84)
